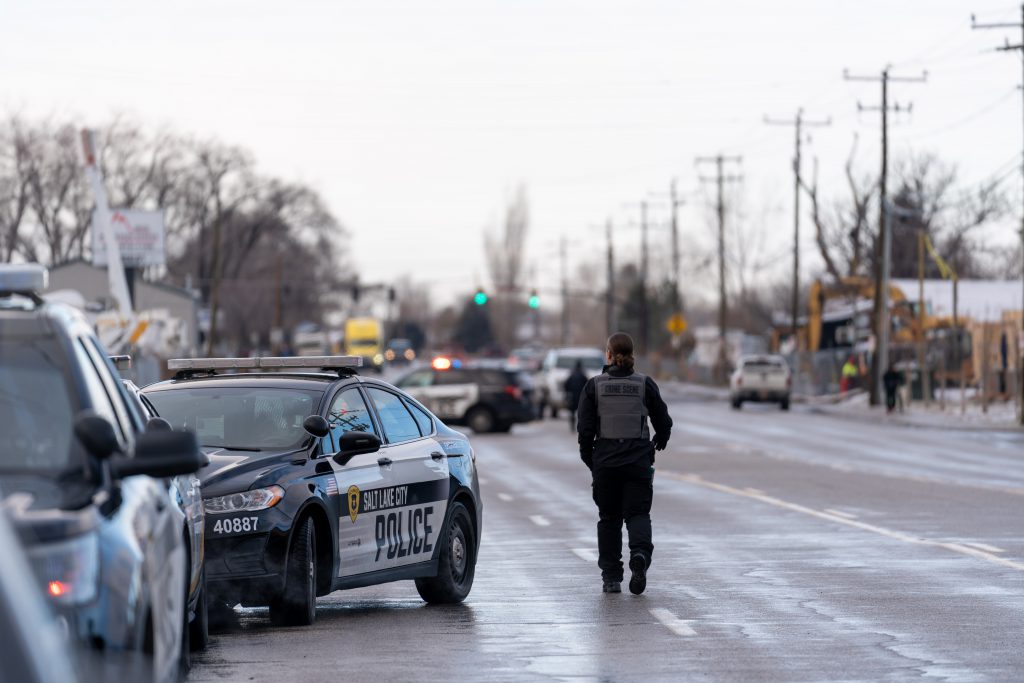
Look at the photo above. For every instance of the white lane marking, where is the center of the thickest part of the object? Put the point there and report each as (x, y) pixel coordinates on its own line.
(847, 515)
(986, 547)
(751, 489)
(585, 554)
(506, 497)
(540, 520)
(882, 531)
(672, 622)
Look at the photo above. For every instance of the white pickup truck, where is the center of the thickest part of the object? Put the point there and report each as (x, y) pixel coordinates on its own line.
(761, 378)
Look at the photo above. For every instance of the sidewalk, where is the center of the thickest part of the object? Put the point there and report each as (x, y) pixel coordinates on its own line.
(1000, 416)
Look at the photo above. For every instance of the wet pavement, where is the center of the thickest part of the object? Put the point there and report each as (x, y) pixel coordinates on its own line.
(788, 547)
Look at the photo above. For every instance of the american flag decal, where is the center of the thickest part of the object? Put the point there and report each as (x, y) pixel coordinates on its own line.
(332, 486)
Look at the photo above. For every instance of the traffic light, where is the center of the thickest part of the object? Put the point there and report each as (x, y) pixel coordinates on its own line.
(480, 298)
(534, 301)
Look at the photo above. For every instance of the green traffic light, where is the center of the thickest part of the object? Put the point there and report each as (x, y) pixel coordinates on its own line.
(534, 301)
(480, 298)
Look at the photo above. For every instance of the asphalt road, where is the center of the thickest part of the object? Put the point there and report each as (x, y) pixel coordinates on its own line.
(788, 547)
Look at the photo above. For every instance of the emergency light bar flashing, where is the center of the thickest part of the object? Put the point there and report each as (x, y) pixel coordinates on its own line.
(275, 362)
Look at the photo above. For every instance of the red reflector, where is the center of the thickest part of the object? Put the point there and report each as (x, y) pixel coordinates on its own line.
(514, 391)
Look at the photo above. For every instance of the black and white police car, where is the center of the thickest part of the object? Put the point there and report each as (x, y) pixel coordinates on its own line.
(322, 480)
(486, 399)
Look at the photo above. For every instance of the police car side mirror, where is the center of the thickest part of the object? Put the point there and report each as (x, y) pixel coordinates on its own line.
(317, 426)
(162, 453)
(96, 434)
(352, 444)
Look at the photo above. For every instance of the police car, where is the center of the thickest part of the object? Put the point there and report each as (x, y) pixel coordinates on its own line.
(487, 399)
(322, 480)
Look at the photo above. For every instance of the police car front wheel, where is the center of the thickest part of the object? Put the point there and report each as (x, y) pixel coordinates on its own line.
(456, 565)
(296, 606)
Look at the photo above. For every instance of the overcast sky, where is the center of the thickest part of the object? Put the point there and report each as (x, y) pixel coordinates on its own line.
(416, 120)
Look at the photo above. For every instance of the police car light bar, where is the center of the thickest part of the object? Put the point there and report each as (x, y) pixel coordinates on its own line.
(326, 362)
(23, 278)
(275, 362)
(210, 363)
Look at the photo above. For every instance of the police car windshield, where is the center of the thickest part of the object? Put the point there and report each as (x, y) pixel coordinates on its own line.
(589, 362)
(36, 411)
(239, 418)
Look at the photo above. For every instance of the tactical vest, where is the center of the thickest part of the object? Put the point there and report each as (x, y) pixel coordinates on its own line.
(621, 410)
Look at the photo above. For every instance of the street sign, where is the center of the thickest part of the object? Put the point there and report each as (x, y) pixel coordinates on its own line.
(676, 324)
(139, 235)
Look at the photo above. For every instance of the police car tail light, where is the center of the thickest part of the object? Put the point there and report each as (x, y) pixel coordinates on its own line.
(441, 363)
(514, 391)
(245, 501)
(69, 570)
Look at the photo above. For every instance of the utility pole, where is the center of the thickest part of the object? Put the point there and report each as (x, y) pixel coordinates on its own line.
(798, 123)
(644, 311)
(610, 321)
(677, 295)
(1020, 355)
(880, 358)
(720, 178)
(563, 254)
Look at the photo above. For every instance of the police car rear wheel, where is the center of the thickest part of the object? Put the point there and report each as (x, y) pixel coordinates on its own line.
(297, 605)
(457, 564)
(481, 420)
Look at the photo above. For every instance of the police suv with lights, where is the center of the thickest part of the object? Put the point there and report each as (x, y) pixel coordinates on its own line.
(82, 483)
(322, 480)
(487, 399)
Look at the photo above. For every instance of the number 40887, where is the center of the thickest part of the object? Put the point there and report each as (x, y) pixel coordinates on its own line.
(235, 525)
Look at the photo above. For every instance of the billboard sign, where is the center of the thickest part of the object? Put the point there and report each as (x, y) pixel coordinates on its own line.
(140, 236)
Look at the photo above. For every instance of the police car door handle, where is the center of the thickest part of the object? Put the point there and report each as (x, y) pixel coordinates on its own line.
(384, 462)
(437, 455)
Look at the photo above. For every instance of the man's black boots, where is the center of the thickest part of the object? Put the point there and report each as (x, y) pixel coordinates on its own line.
(638, 582)
(611, 587)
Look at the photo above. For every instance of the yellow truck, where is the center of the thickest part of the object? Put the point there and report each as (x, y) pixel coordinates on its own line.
(365, 337)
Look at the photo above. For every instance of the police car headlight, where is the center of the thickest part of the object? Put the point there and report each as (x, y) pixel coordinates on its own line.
(378, 359)
(245, 501)
(69, 569)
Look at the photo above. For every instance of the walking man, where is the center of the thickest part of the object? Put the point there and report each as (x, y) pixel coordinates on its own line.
(615, 443)
(573, 387)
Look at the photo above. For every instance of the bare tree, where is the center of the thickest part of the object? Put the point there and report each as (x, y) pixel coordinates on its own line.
(14, 186)
(505, 252)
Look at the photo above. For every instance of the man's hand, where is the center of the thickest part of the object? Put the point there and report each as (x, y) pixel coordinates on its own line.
(660, 442)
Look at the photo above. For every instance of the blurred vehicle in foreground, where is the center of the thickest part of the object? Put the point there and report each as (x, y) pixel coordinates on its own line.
(399, 350)
(486, 399)
(84, 490)
(322, 480)
(364, 337)
(31, 643)
(185, 492)
(760, 379)
(555, 369)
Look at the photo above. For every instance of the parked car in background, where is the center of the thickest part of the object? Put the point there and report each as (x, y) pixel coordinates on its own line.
(84, 487)
(555, 369)
(399, 350)
(486, 399)
(761, 378)
(526, 358)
